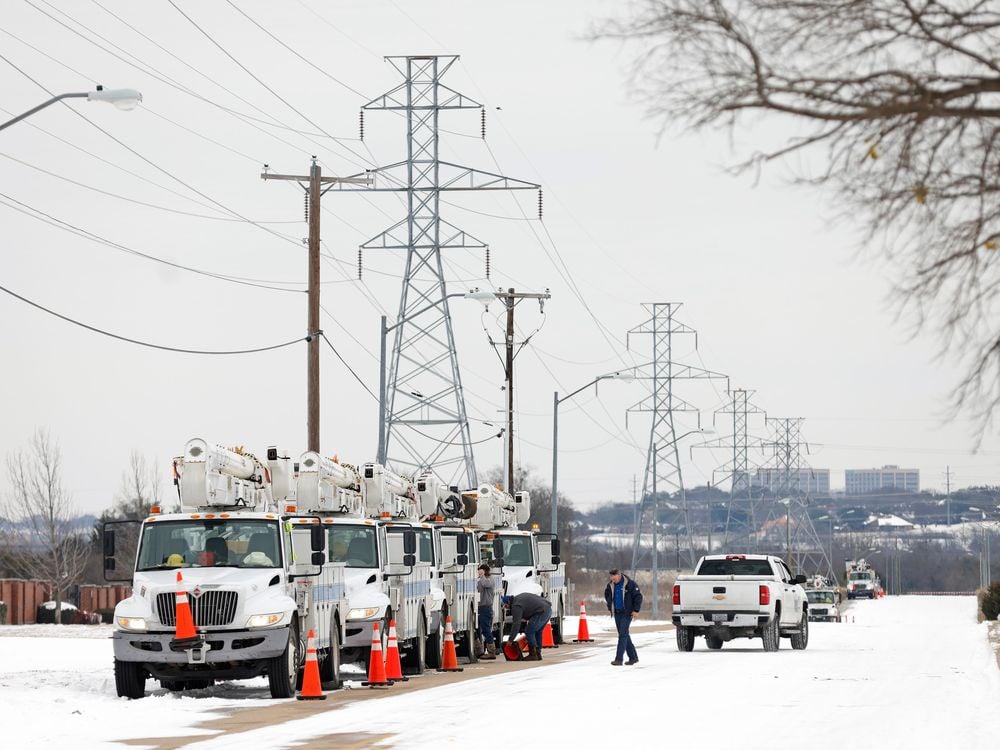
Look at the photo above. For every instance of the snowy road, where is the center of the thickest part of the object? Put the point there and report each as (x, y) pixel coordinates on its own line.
(910, 672)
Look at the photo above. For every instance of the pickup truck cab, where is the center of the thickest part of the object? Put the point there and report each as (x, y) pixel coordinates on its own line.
(740, 596)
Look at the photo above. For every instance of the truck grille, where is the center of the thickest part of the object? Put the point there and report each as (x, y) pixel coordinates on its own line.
(209, 609)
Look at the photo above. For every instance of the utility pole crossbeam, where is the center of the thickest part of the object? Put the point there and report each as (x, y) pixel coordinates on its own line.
(424, 417)
(313, 185)
(664, 472)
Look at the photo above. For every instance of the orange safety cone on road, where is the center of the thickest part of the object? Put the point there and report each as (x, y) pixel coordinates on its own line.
(449, 659)
(311, 688)
(185, 634)
(376, 667)
(393, 665)
(547, 640)
(516, 649)
(582, 631)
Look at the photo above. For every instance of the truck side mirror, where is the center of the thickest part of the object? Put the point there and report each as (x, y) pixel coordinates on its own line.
(799, 579)
(109, 563)
(462, 560)
(409, 559)
(409, 544)
(556, 559)
(318, 558)
(317, 542)
(555, 549)
(498, 549)
(462, 546)
(109, 543)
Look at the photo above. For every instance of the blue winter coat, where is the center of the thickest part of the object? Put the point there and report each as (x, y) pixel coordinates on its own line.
(631, 596)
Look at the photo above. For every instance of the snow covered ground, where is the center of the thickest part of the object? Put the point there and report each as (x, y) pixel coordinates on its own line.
(910, 672)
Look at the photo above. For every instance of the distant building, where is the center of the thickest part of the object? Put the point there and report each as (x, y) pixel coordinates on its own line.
(864, 481)
(810, 481)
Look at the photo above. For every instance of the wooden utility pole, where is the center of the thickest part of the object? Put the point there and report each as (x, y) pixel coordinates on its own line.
(313, 185)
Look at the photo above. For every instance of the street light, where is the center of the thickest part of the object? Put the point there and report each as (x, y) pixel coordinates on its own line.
(125, 99)
(625, 376)
(473, 294)
(655, 572)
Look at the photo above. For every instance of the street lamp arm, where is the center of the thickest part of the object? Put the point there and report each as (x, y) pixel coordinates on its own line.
(422, 310)
(43, 105)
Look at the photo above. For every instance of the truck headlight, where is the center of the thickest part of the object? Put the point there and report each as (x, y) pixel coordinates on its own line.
(263, 621)
(132, 623)
(363, 613)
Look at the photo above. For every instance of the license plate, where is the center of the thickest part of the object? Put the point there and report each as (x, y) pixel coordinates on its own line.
(719, 617)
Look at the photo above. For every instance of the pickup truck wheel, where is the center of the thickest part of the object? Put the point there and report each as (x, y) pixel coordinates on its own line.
(685, 639)
(130, 679)
(282, 670)
(801, 639)
(329, 668)
(771, 635)
(713, 642)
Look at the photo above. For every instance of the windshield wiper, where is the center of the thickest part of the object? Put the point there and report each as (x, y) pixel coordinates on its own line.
(161, 566)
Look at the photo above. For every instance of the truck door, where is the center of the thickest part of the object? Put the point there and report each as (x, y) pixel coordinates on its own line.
(791, 606)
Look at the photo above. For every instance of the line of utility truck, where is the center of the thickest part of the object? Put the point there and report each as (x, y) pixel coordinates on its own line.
(270, 549)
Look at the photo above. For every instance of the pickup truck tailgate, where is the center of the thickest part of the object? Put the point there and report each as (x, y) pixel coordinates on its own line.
(722, 593)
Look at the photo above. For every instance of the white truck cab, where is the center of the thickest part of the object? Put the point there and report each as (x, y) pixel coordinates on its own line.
(823, 604)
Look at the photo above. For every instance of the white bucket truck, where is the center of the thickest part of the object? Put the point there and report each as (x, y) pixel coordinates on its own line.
(371, 519)
(253, 577)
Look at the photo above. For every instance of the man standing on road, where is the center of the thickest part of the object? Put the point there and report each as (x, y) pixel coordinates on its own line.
(624, 600)
(486, 587)
(537, 612)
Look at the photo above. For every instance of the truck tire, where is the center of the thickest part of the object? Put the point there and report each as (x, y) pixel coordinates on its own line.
(283, 670)
(801, 639)
(413, 661)
(130, 679)
(771, 635)
(329, 668)
(435, 647)
(557, 627)
(713, 642)
(685, 639)
(469, 638)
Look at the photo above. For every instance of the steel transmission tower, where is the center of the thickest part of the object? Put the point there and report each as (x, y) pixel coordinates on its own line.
(663, 464)
(425, 422)
(787, 527)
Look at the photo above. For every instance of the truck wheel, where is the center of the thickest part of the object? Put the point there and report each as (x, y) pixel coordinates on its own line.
(329, 668)
(469, 647)
(557, 627)
(413, 662)
(282, 670)
(771, 635)
(685, 639)
(435, 647)
(801, 639)
(713, 642)
(130, 679)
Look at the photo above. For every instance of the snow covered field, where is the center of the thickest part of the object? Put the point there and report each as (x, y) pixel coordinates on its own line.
(910, 672)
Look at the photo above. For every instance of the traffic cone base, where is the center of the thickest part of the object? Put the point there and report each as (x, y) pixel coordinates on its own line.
(582, 631)
(547, 640)
(376, 667)
(311, 690)
(449, 658)
(393, 665)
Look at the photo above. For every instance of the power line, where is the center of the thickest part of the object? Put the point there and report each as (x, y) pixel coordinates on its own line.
(146, 343)
(349, 368)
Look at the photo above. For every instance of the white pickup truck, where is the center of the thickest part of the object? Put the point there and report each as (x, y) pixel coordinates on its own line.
(740, 596)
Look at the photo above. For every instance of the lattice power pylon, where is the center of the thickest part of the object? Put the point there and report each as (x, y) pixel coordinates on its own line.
(787, 528)
(663, 465)
(425, 421)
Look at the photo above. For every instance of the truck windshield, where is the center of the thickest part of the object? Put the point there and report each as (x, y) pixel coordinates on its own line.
(517, 551)
(354, 545)
(866, 576)
(820, 597)
(736, 567)
(230, 543)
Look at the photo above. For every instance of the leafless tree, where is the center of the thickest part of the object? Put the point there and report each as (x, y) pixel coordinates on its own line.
(141, 487)
(42, 533)
(892, 104)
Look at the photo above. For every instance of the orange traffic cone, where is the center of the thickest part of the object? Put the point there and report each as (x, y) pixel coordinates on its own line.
(582, 631)
(547, 640)
(184, 633)
(311, 689)
(393, 666)
(376, 667)
(449, 659)
(515, 650)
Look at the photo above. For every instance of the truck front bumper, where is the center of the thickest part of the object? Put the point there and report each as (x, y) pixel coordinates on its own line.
(224, 646)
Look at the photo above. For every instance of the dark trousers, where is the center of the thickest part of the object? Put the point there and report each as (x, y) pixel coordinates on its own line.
(486, 624)
(533, 630)
(623, 621)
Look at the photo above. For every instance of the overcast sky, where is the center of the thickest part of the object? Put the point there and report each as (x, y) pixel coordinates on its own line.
(782, 300)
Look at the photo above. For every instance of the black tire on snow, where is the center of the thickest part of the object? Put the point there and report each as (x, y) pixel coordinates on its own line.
(414, 659)
(771, 635)
(557, 629)
(713, 642)
(801, 639)
(283, 670)
(329, 668)
(470, 637)
(435, 647)
(130, 679)
(685, 639)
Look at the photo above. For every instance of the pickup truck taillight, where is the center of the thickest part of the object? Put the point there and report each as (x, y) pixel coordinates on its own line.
(677, 595)
(765, 595)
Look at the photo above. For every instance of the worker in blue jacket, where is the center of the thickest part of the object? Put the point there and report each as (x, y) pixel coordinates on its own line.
(624, 600)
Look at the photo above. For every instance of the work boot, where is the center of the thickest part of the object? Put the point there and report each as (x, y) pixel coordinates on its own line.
(534, 654)
(491, 652)
(616, 663)
(630, 662)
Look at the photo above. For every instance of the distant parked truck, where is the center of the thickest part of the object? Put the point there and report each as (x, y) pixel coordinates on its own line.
(862, 581)
(823, 604)
(740, 596)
